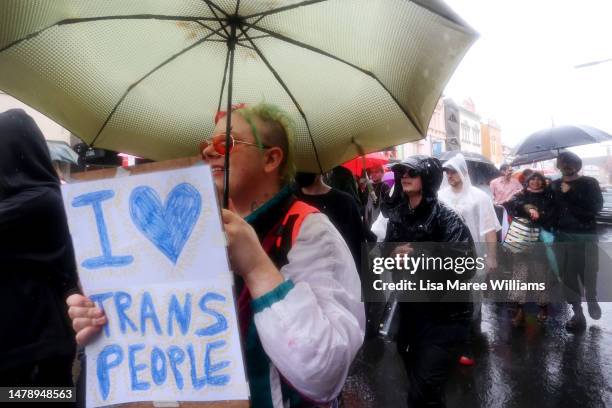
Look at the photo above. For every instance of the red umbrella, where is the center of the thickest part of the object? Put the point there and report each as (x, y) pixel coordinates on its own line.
(368, 161)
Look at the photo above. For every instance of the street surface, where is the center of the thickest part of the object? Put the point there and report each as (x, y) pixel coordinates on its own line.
(534, 366)
(539, 365)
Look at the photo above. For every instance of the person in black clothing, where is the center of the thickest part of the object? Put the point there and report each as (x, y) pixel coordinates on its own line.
(343, 212)
(379, 188)
(340, 207)
(37, 344)
(430, 335)
(340, 178)
(578, 199)
(534, 203)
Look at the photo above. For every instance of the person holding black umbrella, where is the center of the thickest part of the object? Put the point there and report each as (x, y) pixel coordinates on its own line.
(578, 199)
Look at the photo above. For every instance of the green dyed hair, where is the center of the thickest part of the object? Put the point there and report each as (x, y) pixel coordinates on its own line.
(272, 116)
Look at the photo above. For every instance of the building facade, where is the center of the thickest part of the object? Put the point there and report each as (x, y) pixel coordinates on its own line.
(491, 142)
(410, 149)
(436, 133)
(50, 129)
(469, 120)
(434, 143)
(507, 153)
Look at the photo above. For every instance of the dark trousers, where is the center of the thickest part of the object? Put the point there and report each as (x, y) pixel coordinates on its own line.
(577, 256)
(428, 368)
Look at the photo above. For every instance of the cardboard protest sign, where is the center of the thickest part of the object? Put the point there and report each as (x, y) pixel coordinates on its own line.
(151, 252)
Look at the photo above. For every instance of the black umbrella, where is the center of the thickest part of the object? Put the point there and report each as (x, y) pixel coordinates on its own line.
(469, 156)
(534, 157)
(559, 137)
(481, 169)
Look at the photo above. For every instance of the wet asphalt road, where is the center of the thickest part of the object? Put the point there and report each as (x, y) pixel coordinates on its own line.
(538, 365)
(534, 366)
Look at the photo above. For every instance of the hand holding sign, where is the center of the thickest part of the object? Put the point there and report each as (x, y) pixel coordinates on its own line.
(87, 319)
(248, 257)
(159, 315)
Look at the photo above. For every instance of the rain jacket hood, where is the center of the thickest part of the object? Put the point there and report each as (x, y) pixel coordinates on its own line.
(431, 220)
(25, 163)
(458, 164)
(472, 204)
(430, 170)
(29, 188)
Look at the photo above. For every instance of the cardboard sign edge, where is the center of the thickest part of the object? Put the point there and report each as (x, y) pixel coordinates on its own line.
(173, 164)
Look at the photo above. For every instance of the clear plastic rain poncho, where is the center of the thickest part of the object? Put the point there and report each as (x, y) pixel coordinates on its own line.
(474, 205)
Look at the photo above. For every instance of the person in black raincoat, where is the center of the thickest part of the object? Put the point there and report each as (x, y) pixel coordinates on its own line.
(37, 266)
(430, 335)
(578, 199)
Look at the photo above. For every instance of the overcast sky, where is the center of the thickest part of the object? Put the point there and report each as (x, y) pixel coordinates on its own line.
(521, 71)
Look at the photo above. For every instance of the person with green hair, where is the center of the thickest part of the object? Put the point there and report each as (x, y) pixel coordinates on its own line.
(300, 312)
(276, 127)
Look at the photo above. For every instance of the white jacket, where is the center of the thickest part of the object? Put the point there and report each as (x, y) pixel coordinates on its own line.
(312, 325)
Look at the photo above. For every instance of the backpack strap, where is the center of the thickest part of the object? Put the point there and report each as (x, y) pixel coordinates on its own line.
(294, 218)
(281, 238)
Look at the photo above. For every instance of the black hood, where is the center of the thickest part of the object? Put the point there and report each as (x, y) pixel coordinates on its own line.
(25, 163)
(431, 173)
(430, 169)
(431, 177)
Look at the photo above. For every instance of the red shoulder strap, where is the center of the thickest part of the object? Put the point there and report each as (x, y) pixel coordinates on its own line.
(296, 215)
(280, 239)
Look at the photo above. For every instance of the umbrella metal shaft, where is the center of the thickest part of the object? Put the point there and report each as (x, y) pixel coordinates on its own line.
(231, 43)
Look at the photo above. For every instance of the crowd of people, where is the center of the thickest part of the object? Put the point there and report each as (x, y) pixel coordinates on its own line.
(295, 244)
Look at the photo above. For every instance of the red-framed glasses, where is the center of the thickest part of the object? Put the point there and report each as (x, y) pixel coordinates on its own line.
(219, 144)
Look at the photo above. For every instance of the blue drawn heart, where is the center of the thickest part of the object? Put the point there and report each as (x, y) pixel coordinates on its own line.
(168, 227)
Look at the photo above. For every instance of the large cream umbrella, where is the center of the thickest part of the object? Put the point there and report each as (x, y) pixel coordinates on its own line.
(146, 77)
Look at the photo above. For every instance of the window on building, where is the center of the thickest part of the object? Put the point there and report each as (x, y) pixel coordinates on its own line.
(465, 133)
(436, 148)
(475, 136)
